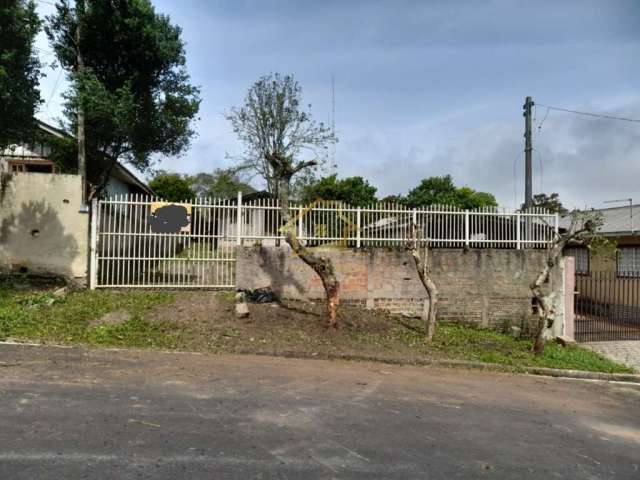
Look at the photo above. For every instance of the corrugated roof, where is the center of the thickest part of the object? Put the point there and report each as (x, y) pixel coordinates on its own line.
(617, 220)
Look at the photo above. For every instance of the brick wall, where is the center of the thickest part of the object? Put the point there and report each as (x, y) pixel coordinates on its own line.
(484, 286)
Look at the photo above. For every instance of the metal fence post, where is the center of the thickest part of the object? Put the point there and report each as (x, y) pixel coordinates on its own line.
(93, 228)
(518, 246)
(358, 224)
(466, 228)
(300, 229)
(239, 220)
(557, 225)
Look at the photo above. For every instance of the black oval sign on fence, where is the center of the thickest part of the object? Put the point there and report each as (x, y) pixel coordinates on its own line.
(169, 219)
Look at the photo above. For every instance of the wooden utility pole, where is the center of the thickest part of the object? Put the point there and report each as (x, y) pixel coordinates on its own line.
(82, 159)
(528, 150)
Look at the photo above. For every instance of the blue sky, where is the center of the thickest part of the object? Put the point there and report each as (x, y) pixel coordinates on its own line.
(428, 87)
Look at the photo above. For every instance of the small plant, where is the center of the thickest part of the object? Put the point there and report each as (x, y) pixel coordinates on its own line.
(39, 300)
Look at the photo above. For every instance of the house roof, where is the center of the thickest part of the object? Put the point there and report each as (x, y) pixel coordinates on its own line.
(120, 171)
(52, 130)
(258, 195)
(617, 221)
(124, 174)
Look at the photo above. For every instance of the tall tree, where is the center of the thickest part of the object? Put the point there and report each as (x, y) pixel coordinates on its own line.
(355, 191)
(172, 186)
(549, 202)
(276, 131)
(442, 191)
(222, 183)
(134, 88)
(19, 70)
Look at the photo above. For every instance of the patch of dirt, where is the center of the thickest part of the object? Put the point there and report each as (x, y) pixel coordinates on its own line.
(112, 318)
(206, 321)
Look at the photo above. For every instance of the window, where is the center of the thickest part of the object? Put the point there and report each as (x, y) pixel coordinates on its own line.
(27, 165)
(629, 261)
(581, 254)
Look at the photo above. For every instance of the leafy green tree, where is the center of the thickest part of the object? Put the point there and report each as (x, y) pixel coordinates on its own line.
(170, 186)
(399, 199)
(442, 191)
(219, 184)
(19, 70)
(355, 191)
(134, 87)
(550, 202)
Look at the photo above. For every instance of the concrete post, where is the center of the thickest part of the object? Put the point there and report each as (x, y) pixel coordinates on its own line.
(358, 225)
(93, 240)
(239, 220)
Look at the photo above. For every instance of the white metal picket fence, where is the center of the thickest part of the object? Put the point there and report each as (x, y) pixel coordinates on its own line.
(126, 252)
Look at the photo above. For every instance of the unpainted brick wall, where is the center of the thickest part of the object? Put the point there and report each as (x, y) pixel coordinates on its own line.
(487, 287)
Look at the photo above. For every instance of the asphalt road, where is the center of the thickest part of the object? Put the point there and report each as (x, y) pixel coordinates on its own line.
(74, 413)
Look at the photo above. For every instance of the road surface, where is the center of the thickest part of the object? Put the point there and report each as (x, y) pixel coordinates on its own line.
(71, 413)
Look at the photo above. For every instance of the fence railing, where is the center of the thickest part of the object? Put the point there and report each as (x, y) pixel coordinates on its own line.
(126, 250)
(325, 222)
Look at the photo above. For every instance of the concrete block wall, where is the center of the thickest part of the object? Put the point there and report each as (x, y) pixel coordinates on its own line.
(486, 287)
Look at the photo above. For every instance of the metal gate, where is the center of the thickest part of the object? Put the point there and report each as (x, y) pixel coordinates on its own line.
(127, 250)
(607, 307)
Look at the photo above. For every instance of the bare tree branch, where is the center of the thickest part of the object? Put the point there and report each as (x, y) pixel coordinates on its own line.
(275, 130)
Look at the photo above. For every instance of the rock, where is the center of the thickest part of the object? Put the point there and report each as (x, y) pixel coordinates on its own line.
(515, 331)
(112, 318)
(60, 292)
(242, 310)
(565, 341)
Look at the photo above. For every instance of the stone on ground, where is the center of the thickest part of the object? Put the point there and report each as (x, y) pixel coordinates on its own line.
(242, 310)
(566, 341)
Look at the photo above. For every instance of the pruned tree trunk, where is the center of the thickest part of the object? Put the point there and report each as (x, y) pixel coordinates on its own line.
(424, 272)
(319, 263)
(545, 307)
(583, 228)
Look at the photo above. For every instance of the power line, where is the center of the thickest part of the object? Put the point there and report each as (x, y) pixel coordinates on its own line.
(55, 88)
(45, 51)
(543, 120)
(589, 114)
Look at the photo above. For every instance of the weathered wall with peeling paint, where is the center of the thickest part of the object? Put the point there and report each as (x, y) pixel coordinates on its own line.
(41, 228)
(485, 287)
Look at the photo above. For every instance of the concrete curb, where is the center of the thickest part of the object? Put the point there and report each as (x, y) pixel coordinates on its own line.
(491, 367)
(420, 362)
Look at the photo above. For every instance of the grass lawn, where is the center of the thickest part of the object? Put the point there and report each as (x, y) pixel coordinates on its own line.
(205, 321)
(41, 316)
